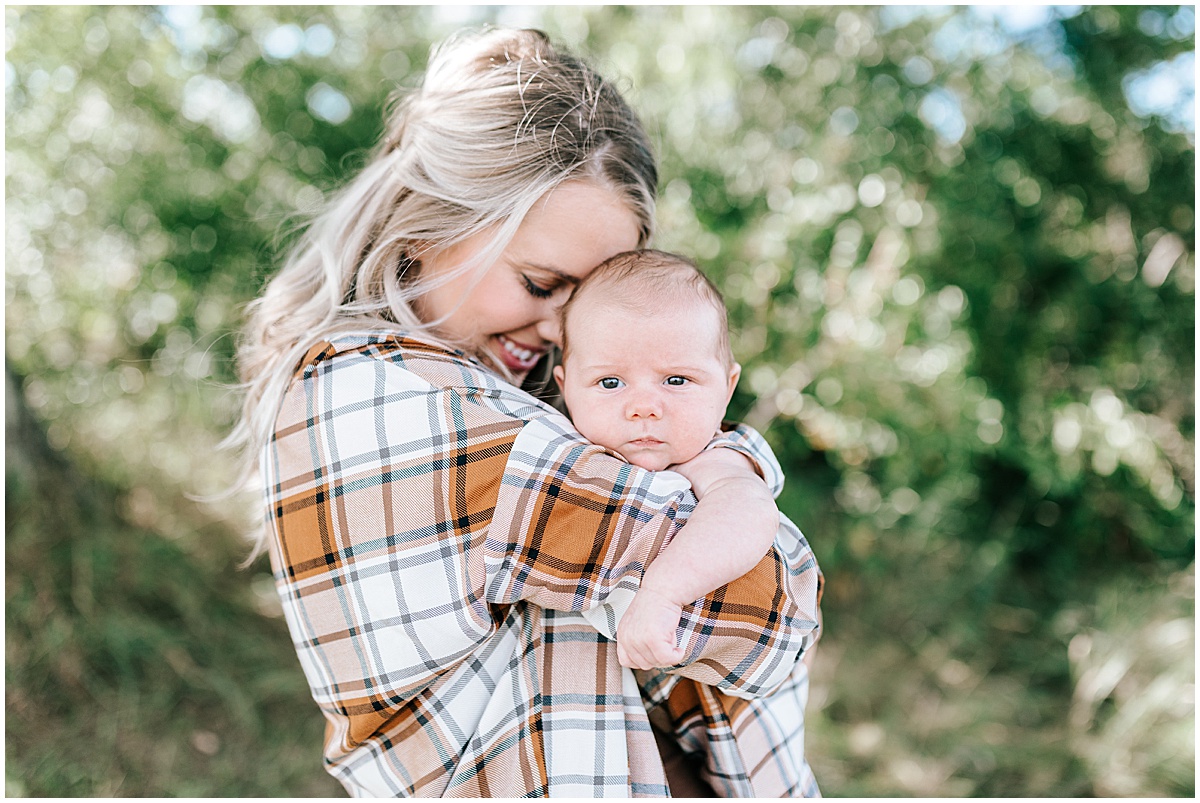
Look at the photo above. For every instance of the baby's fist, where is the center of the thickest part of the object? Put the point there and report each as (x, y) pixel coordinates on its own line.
(646, 635)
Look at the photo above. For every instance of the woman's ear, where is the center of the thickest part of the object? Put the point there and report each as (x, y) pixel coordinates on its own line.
(407, 267)
(414, 250)
(734, 374)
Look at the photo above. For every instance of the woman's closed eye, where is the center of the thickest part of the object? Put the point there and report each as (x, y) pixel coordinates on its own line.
(536, 290)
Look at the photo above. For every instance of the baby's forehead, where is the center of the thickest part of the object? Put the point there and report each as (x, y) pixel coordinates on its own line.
(632, 302)
(690, 325)
(612, 304)
(623, 314)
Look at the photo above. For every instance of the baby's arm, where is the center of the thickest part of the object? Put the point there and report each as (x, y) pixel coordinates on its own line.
(728, 533)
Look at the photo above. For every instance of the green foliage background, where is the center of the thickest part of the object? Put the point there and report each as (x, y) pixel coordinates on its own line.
(960, 268)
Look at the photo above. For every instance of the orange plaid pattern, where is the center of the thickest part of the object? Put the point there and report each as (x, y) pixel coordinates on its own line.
(453, 559)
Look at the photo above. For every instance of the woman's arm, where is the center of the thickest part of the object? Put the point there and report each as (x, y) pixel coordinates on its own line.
(731, 530)
(563, 494)
(789, 567)
(408, 513)
(728, 533)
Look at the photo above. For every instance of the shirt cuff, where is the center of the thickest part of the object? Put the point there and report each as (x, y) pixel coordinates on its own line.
(747, 441)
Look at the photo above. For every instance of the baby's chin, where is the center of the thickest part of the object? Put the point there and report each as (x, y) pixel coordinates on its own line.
(650, 463)
(651, 460)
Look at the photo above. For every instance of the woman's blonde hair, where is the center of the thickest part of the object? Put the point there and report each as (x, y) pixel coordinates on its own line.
(501, 118)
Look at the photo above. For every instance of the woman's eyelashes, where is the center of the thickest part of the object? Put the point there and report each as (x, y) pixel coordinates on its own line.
(536, 290)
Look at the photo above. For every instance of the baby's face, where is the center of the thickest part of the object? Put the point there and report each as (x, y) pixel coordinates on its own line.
(651, 388)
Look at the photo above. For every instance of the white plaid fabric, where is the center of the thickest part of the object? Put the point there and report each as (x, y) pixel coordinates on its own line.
(453, 559)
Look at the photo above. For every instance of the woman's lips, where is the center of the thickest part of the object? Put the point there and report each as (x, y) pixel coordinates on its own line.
(517, 357)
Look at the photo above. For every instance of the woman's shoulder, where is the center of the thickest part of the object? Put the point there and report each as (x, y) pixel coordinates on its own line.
(399, 347)
(422, 360)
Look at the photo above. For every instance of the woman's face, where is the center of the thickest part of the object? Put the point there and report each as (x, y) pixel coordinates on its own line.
(511, 314)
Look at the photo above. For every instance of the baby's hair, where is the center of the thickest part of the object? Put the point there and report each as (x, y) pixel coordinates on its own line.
(501, 118)
(645, 281)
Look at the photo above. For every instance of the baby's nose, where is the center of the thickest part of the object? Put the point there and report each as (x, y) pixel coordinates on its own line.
(645, 405)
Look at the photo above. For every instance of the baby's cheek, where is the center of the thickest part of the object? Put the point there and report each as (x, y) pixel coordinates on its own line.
(596, 429)
(583, 420)
(697, 437)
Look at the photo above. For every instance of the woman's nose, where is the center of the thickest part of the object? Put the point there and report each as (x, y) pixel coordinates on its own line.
(548, 328)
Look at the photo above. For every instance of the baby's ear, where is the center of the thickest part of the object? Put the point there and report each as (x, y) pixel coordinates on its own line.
(735, 373)
(559, 376)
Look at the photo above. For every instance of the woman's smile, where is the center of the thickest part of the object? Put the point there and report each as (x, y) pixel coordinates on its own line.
(519, 358)
(509, 316)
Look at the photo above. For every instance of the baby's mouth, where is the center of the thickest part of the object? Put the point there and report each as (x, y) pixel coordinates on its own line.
(518, 357)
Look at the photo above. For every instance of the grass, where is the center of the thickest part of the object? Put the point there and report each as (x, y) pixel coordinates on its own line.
(915, 695)
(137, 661)
(140, 661)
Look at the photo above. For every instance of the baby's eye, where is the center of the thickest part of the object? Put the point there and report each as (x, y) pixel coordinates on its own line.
(610, 383)
(677, 381)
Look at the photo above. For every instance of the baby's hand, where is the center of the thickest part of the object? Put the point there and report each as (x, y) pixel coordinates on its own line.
(646, 635)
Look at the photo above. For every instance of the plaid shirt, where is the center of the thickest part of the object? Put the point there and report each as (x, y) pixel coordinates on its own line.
(453, 559)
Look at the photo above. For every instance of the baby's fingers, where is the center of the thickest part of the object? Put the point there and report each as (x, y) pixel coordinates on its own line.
(666, 653)
(623, 655)
(637, 653)
(630, 654)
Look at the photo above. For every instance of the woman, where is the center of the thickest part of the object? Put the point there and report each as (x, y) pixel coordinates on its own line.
(452, 557)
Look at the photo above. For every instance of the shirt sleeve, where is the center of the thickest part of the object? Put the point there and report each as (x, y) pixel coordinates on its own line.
(408, 516)
(746, 440)
(745, 637)
(576, 527)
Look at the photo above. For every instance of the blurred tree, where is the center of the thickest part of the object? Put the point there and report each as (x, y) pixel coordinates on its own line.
(957, 244)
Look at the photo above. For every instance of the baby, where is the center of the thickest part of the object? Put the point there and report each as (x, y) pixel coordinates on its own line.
(647, 372)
